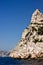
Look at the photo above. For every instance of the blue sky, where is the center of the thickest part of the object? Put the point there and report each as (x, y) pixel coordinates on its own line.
(15, 15)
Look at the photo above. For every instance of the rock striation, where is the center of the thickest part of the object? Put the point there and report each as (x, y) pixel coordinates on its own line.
(31, 42)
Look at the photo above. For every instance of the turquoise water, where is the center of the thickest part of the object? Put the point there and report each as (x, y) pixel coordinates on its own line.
(10, 61)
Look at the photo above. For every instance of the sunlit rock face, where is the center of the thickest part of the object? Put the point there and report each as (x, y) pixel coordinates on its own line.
(31, 42)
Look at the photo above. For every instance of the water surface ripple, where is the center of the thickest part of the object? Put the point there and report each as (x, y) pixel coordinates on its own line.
(10, 61)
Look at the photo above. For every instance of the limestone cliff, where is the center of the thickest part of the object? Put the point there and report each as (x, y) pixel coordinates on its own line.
(31, 42)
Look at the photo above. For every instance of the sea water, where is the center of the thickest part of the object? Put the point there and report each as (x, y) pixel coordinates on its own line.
(12, 61)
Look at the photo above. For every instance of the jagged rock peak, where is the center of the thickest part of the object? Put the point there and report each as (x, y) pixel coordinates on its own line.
(37, 11)
(37, 16)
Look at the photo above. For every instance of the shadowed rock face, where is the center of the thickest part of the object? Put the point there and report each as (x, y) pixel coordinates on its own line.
(31, 42)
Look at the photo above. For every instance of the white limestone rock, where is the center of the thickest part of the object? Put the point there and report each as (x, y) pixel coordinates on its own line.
(31, 42)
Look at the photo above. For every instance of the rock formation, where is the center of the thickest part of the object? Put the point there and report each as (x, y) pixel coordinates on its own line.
(4, 53)
(31, 42)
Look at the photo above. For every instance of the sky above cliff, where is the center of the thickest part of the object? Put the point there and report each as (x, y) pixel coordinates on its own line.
(15, 16)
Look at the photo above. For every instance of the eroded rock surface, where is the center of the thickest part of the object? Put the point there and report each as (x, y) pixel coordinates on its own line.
(31, 42)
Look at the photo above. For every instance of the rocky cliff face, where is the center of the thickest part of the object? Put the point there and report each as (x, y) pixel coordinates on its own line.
(31, 42)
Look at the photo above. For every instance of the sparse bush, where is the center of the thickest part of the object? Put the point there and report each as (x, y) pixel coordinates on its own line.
(33, 28)
(41, 40)
(35, 40)
(40, 31)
